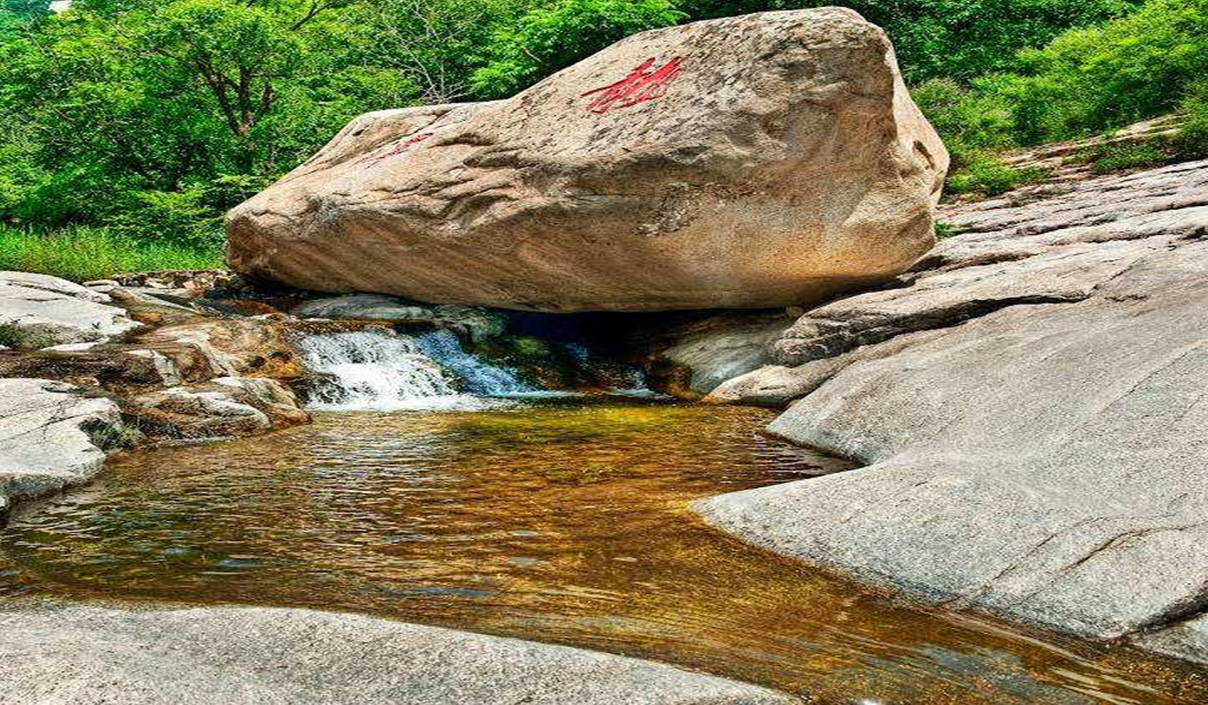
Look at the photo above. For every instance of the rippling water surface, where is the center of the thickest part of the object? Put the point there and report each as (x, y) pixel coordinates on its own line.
(562, 522)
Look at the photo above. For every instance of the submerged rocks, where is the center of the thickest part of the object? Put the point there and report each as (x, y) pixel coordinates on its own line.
(1030, 407)
(746, 162)
(51, 435)
(256, 655)
(39, 311)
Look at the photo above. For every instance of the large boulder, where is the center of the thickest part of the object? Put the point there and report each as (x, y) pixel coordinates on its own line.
(1030, 407)
(222, 655)
(746, 162)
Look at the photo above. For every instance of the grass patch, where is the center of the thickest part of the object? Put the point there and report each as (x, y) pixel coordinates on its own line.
(1118, 156)
(987, 175)
(83, 253)
(109, 437)
(943, 230)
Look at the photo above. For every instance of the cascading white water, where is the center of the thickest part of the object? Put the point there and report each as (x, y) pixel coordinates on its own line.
(477, 376)
(382, 371)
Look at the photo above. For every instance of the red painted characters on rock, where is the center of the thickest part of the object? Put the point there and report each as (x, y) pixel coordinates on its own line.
(642, 84)
(402, 146)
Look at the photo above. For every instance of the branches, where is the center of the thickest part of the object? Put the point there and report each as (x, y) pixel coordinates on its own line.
(421, 38)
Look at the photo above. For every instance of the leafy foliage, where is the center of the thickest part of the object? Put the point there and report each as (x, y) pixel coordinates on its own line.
(142, 118)
(1086, 81)
(140, 122)
(548, 39)
(958, 39)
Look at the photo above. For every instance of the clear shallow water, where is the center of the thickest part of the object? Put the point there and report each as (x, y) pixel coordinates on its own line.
(562, 522)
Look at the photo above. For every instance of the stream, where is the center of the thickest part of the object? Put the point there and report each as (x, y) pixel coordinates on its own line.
(439, 489)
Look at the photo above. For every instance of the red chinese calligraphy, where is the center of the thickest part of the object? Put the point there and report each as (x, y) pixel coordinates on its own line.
(642, 84)
(403, 146)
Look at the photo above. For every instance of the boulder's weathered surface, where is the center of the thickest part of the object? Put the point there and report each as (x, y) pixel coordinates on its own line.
(1030, 404)
(86, 655)
(747, 162)
(40, 311)
(203, 376)
(50, 433)
(204, 348)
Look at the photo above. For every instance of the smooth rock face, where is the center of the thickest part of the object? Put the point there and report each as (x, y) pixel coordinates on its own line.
(1030, 404)
(39, 311)
(1187, 640)
(721, 347)
(48, 437)
(747, 162)
(1040, 245)
(255, 655)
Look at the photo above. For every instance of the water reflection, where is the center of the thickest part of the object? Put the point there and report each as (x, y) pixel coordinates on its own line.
(564, 523)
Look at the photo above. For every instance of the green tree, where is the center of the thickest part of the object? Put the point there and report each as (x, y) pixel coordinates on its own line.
(1108, 76)
(436, 45)
(549, 38)
(956, 39)
(147, 115)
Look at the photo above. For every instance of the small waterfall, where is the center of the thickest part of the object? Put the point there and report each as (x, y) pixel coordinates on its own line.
(477, 376)
(382, 371)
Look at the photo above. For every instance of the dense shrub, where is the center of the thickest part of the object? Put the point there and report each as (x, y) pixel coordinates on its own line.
(145, 120)
(959, 39)
(1192, 143)
(1086, 81)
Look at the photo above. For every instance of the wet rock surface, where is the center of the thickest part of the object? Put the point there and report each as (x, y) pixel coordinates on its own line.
(1030, 405)
(223, 408)
(256, 655)
(746, 162)
(142, 367)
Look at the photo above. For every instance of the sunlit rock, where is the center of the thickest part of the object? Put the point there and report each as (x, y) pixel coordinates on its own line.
(51, 435)
(40, 311)
(218, 656)
(746, 162)
(1030, 406)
